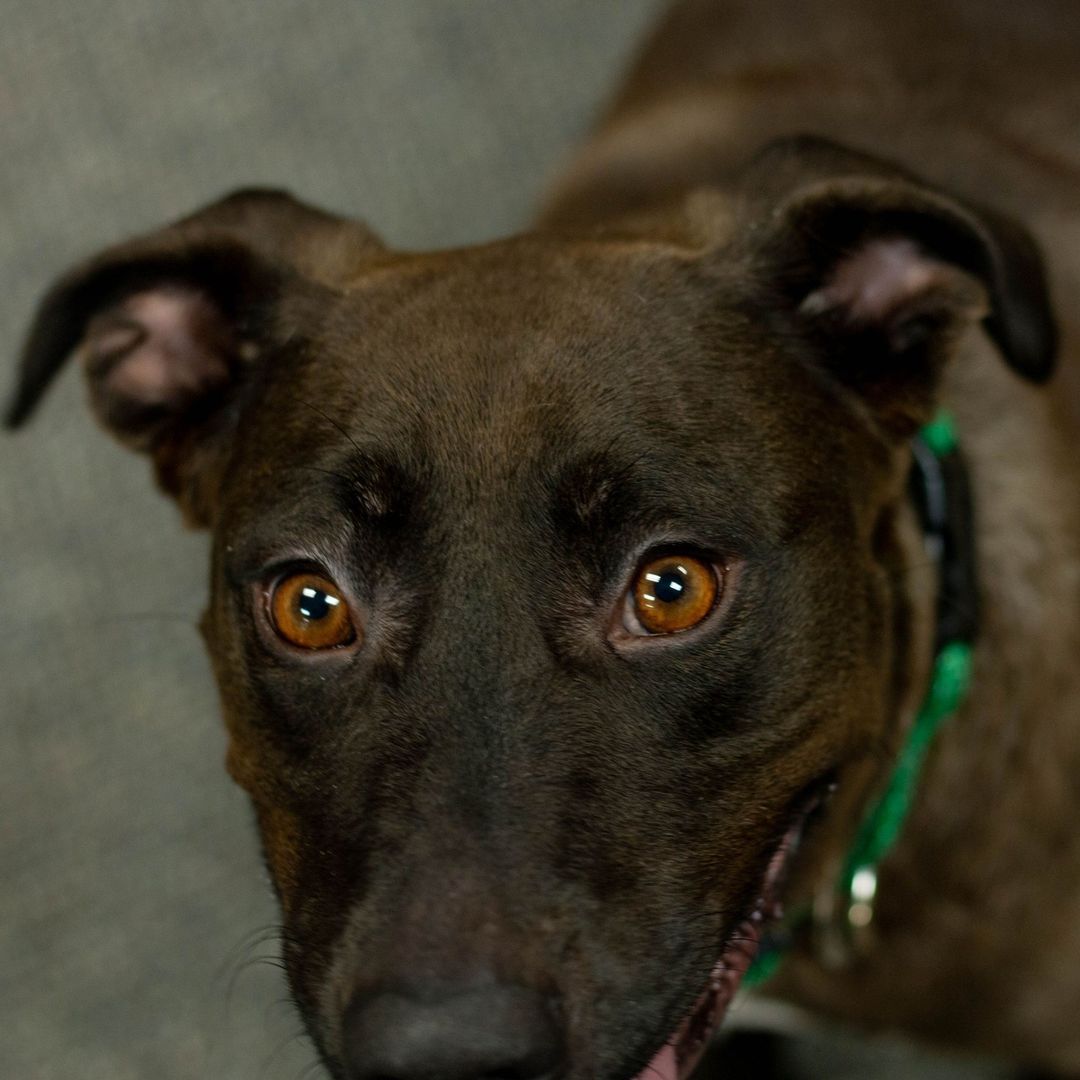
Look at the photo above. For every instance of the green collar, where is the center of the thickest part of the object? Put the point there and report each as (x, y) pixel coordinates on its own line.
(940, 492)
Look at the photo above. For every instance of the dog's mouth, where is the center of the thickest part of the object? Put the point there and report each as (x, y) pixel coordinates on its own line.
(682, 1051)
(678, 1057)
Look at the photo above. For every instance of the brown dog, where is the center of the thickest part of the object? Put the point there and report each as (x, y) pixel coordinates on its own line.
(558, 582)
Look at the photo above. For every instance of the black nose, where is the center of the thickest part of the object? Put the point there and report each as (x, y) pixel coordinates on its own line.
(482, 1033)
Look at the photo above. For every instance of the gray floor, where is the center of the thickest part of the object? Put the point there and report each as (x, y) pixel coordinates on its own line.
(131, 895)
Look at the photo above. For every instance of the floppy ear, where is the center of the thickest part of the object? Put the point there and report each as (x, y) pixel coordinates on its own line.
(171, 327)
(881, 272)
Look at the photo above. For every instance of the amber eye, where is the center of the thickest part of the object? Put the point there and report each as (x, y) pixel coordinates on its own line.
(309, 611)
(671, 594)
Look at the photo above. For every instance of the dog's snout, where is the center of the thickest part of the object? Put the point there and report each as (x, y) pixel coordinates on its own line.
(495, 1032)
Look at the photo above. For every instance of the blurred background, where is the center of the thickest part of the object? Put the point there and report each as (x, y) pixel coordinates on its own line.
(135, 918)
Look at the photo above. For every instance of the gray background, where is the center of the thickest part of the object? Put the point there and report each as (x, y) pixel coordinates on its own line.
(131, 896)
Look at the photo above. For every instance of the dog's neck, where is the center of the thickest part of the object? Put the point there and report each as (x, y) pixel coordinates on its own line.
(985, 856)
(940, 493)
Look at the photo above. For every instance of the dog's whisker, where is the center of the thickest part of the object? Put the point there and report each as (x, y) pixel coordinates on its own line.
(282, 1046)
(312, 1069)
(333, 423)
(283, 1006)
(251, 939)
(323, 472)
(240, 961)
(248, 965)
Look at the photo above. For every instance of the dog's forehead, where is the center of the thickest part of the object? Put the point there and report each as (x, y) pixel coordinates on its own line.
(533, 374)
(490, 351)
(501, 319)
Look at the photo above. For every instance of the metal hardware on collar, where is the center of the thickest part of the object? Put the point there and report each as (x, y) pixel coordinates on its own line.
(940, 492)
(882, 825)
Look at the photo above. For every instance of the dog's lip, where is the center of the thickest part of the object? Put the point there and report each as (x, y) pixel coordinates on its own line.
(682, 1051)
(680, 1054)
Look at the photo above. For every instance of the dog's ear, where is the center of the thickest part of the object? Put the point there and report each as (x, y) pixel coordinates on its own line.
(170, 326)
(881, 272)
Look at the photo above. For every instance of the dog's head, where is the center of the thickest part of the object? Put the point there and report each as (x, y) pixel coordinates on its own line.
(552, 578)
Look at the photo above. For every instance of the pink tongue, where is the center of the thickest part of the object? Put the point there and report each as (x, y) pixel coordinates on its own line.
(664, 1066)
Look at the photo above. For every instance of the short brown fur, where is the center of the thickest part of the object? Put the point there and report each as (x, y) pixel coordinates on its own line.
(703, 344)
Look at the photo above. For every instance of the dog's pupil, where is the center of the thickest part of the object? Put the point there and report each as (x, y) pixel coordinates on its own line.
(672, 587)
(315, 604)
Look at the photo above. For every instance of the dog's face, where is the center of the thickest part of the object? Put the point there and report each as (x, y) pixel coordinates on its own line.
(553, 580)
(501, 760)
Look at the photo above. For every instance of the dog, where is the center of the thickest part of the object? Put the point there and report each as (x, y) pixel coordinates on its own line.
(577, 598)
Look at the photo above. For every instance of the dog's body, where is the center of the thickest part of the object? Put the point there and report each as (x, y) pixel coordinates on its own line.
(513, 828)
(984, 99)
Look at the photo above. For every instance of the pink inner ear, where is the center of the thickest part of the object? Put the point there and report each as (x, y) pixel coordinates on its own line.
(878, 280)
(163, 347)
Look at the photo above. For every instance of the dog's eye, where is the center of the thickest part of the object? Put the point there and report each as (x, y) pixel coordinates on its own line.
(671, 594)
(309, 611)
